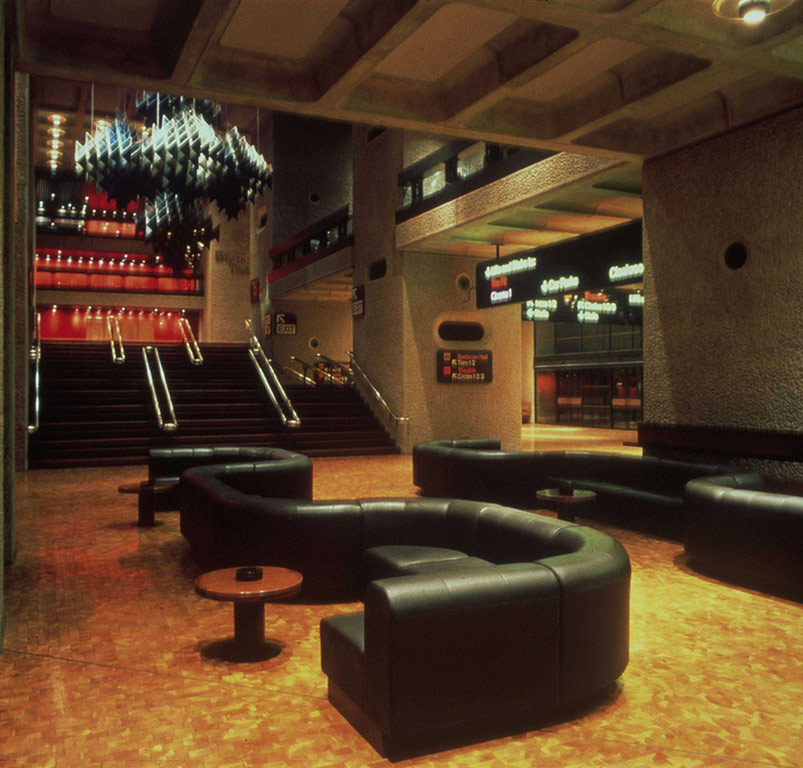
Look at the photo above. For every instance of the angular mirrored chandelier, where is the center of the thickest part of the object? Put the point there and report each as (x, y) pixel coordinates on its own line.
(175, 165)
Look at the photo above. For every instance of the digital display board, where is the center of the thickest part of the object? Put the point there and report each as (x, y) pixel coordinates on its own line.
(592, 262)
(595, 309)
(465, 366)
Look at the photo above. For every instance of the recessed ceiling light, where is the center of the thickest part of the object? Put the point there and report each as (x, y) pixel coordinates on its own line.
(57, 119)
(753, 11)
(55, 132)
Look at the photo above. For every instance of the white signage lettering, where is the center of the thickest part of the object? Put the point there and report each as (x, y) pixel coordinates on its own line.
(525, 264)
(604, 307)
(561, 285)
(636, 300)
(625, 272)
(587, 317)
(497, 297)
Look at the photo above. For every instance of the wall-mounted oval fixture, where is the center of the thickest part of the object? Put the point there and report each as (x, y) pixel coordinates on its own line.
(457, 330)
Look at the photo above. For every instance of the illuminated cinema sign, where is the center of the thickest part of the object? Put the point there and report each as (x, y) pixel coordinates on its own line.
(591, 262)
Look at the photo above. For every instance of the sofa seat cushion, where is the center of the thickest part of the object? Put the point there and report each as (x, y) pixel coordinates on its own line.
(342, 652)
(463, 563)
(405, 559)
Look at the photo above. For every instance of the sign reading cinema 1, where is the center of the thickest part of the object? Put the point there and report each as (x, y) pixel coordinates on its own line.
(589, 264)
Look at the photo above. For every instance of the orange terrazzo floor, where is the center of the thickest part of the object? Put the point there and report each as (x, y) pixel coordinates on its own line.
(104, 661)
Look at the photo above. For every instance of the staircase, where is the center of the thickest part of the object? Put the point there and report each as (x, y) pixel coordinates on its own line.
(95, 413)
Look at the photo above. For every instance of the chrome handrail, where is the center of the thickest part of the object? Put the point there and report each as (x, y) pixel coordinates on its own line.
(293, 372)
(171, 425)
(355, 366)
(113, 325)
(35, 357)
(262, 363)
(317, 371)
(190, 344)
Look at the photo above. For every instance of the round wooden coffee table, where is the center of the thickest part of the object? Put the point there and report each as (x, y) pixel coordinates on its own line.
(249, 598)
(567, 502)
(146, 491)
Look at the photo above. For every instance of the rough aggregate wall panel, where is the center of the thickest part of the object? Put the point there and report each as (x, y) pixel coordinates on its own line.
(227, 277)
(312, 172)
(451, 410)
(329, 322)
(721, 346)
(4, 244)
(378, 335)
(259, 246)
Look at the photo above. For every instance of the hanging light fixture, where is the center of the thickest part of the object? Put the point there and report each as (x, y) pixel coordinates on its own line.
(181, 161)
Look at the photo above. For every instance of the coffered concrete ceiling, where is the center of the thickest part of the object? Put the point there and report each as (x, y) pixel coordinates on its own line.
(619, 78)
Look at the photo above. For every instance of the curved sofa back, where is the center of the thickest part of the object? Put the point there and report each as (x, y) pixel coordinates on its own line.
(169, 463)
(737, 526)
(630, 489)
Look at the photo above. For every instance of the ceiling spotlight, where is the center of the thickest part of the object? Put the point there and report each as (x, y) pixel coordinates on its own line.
(750, 12)
(55, 132)
(753, 11)
(57, 119)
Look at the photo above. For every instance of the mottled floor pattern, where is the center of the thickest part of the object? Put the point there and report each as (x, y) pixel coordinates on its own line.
(104, 661)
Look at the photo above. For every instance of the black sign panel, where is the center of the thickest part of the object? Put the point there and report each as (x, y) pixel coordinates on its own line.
(591, 262)
(358, 301)
(465, 367)
(286, 324)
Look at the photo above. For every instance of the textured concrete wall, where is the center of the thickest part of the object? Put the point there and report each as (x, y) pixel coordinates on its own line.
(527, 370)
(6, 499)
(328, 322)
(227, 277)
(378, 335)
(23, 259)
(259, 246)
(396, 341)
(722, 347)
(311, 172)
(440, 410)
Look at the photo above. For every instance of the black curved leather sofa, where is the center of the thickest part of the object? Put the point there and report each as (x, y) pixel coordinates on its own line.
(739, 529)
(643, 493)
(474, 615)
(165, 465)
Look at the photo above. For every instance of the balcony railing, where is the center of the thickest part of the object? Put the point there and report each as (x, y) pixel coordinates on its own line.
(317, 241)
(457, 168)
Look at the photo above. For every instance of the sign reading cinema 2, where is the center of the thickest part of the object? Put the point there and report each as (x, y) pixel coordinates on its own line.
(568, 280)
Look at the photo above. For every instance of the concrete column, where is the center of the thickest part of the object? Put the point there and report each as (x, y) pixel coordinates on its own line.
(721, 344)
(397, 341)
(6, 317)
(24, 235)
(527, 370)
(227, 278)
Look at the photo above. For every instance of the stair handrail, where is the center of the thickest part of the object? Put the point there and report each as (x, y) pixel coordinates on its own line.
(35, 357)
(355, 367)
(112, 326)
(172, 425)
(262, 363)
(297, 374)
(190, 343)
(317, 371)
